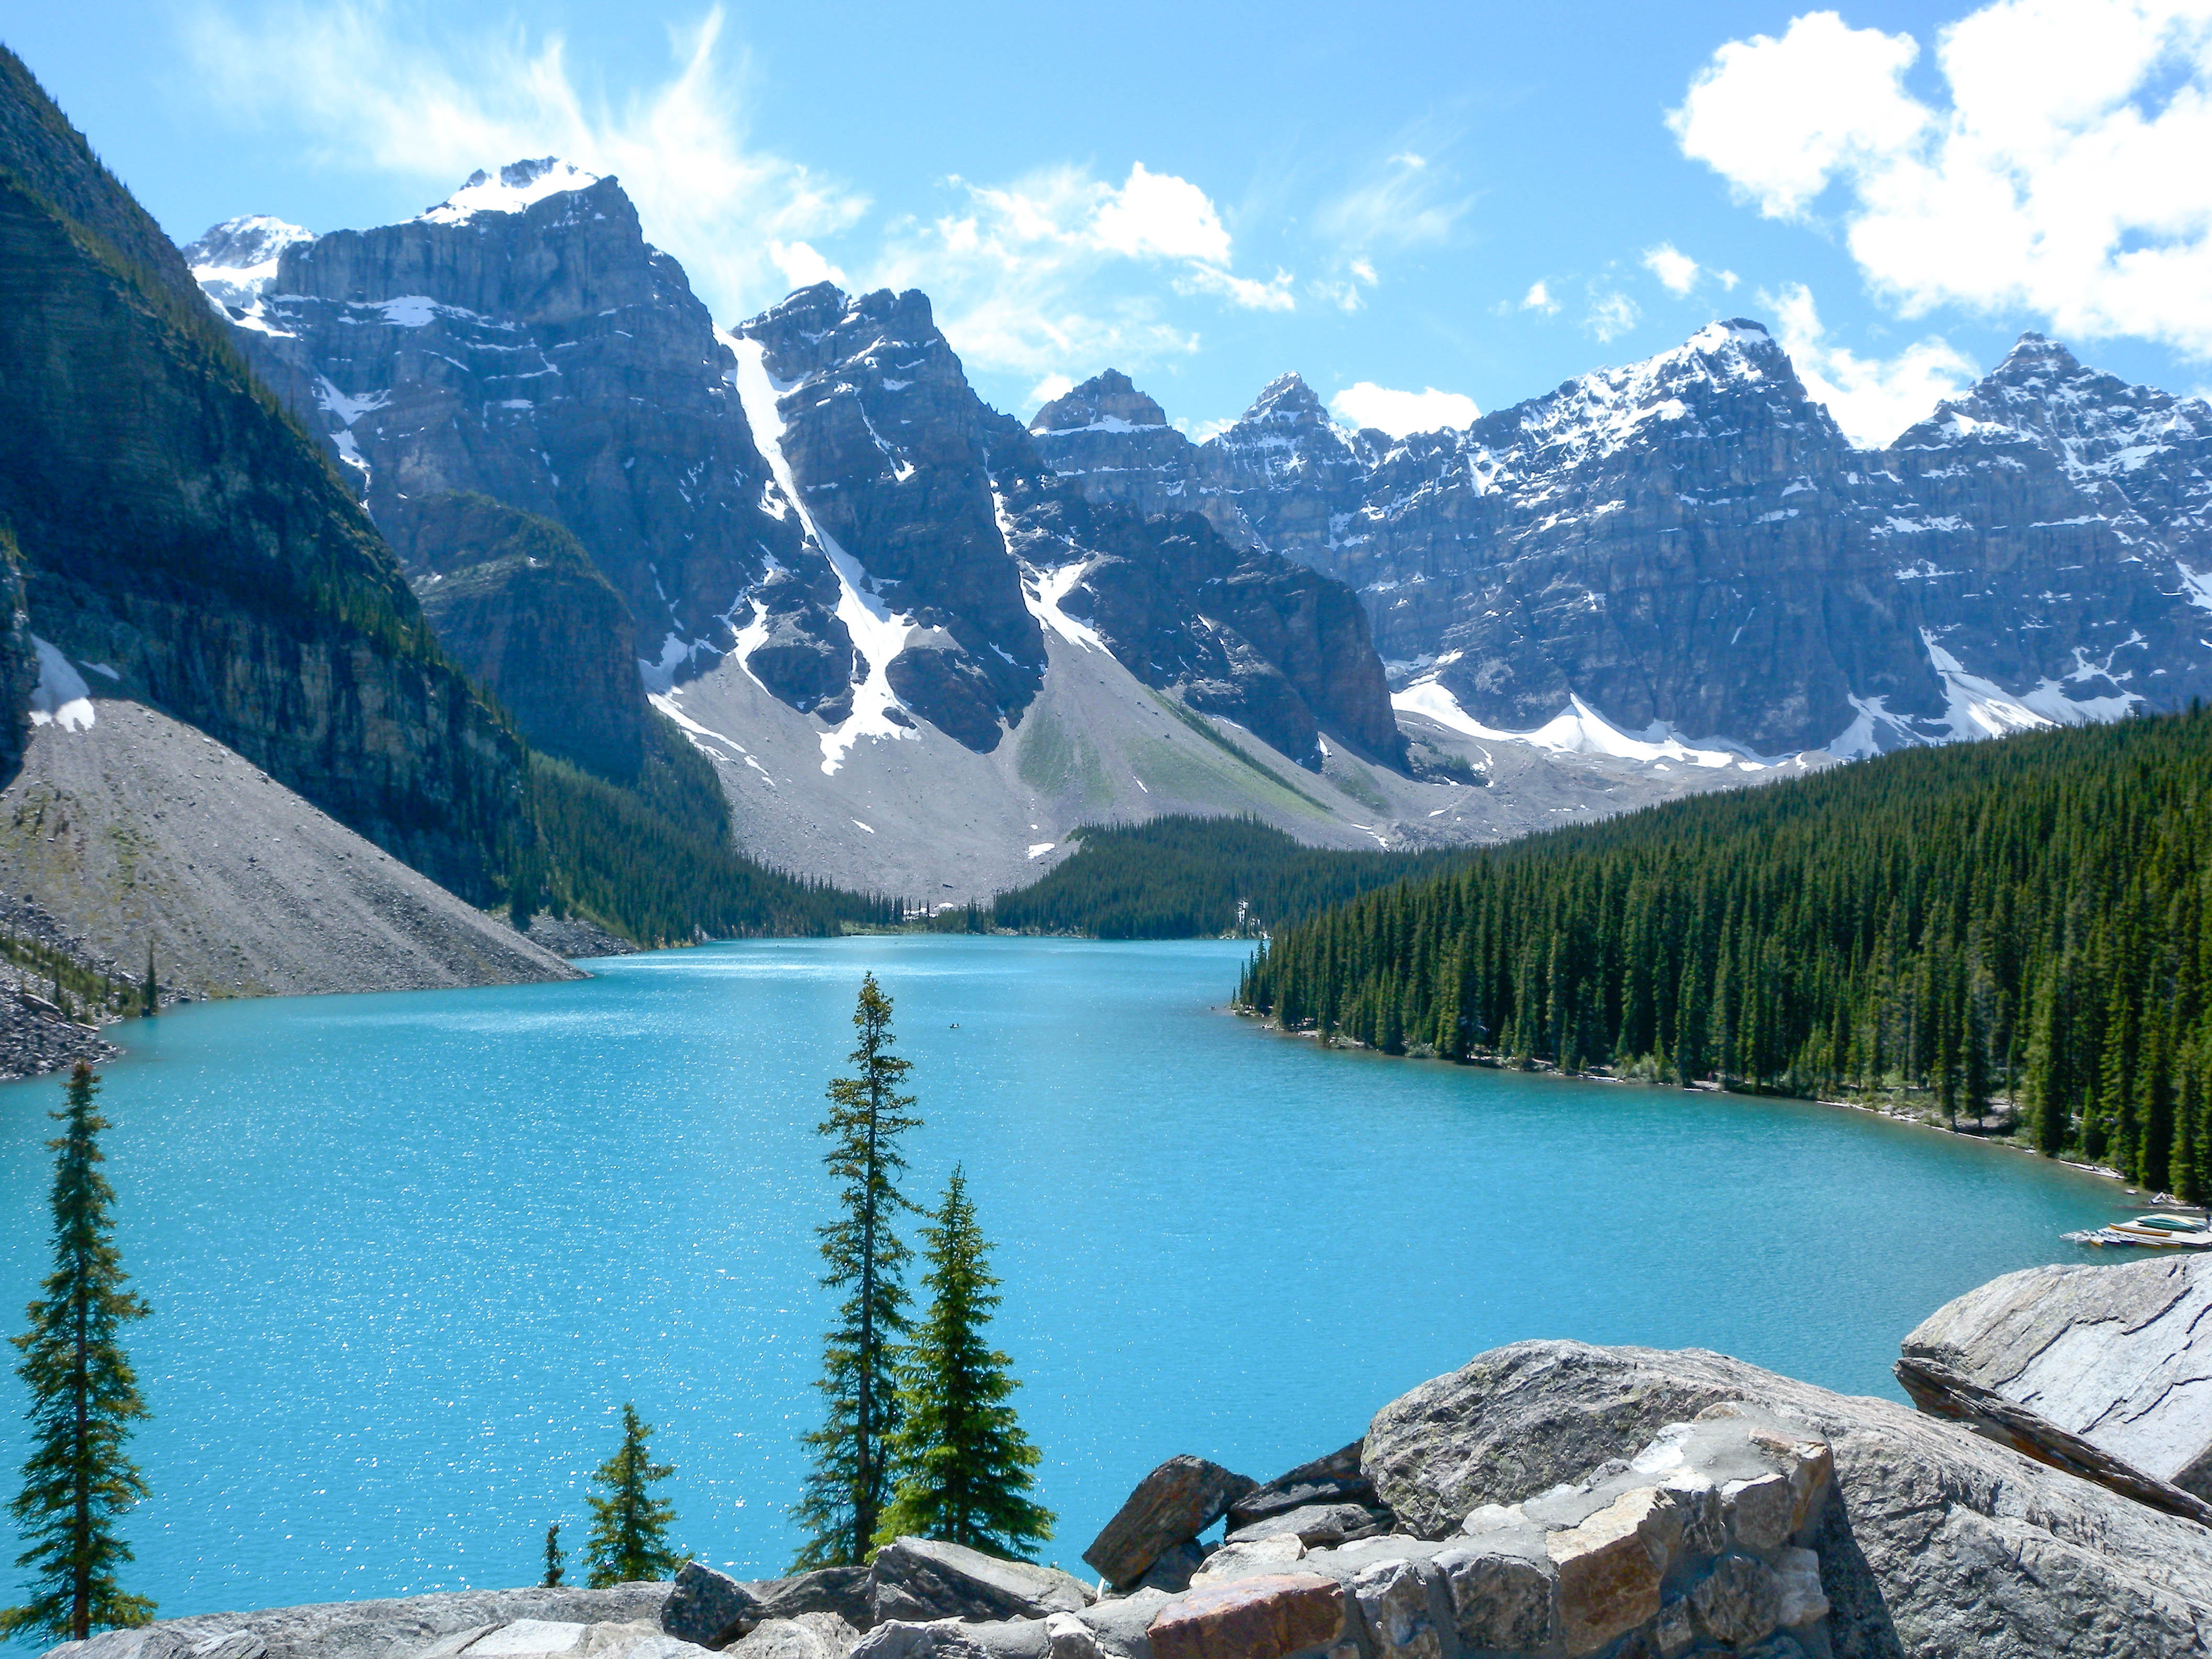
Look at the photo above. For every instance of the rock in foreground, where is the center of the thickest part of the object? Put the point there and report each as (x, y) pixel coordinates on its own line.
(2120, 1356)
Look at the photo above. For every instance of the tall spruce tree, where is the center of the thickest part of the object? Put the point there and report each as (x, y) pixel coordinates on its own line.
(844, 1497)
(84, 1397)
(965, 1468)
(629, 1525)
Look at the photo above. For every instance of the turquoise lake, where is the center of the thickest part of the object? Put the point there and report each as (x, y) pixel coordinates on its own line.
(410, 1253)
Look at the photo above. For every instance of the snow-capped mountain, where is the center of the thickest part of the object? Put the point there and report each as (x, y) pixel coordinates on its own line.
(235, 262)
(1688, 547)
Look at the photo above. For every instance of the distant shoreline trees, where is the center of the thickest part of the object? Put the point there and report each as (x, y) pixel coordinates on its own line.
(2022, 920)
(77, 1481)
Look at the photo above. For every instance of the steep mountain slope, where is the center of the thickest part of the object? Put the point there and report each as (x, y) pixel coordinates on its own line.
(177, 530)
(1689, 546)
(149, 837)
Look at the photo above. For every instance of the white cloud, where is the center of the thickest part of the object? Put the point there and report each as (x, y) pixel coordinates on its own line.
(2065, 176)
(368, 93)
(1016, 271)
(1052, 385)
(1677, 271)
(1400, 412)
(1539, 298)
(1728, 279)
(802, 267)
(1611, 315)
(1873, 399)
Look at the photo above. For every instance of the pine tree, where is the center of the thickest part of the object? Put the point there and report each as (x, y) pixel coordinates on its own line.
(629, 1525)
(150, 992)
(845, 1495)
(556, 1558)
(965, 1468)
(84, 1398)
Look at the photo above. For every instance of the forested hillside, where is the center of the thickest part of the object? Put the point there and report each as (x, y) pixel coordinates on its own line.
(2021, 919)
(1188, 877)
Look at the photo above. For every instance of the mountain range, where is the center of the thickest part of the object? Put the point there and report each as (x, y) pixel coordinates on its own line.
(577, 564)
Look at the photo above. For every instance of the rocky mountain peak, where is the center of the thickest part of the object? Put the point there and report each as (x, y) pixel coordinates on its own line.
(517, 185)
(235, 262)
(1287, 400)
(1104, 403)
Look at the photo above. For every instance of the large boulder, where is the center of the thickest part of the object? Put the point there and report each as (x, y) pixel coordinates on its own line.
(1171, 1505)
(1264, 1618)
(707, 1607)
(621, 1623)
(2120, 1356)
(1937, 1541)
(810, 1636)
(921, 1579)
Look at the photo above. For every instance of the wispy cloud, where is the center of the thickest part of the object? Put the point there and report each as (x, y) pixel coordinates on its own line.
(372, 88)
(1612, 314)
(1407, 202)
(1539, 298)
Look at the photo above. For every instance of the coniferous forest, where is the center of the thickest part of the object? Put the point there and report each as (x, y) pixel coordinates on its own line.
(2021, 922)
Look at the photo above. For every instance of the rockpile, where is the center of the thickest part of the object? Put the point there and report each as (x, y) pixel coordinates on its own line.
(1550, 1500)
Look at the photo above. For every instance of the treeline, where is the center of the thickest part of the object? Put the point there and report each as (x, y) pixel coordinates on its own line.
(2019, 920)
(1184, 878)
(655, 862)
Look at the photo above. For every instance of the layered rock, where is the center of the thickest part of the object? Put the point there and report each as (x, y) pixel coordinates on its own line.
(516, 600)
(522, 341)
(1689, 545)
(2116, 1356)
(174, 528)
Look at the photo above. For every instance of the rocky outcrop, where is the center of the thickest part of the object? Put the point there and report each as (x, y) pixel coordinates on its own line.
(2119, 1357)
(621, 1623)
(522, 340)
(515, 600)
(175, 528)
(1171, 1505)
(1334, 1479)
(1936, 1542)
(1690, 546)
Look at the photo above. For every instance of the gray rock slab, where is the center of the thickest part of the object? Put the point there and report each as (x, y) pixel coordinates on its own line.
(402, 1627)
(709, 1607)
(921, 1578)
(1171, 1505)
(1938, 1542)
(2120, 1356)
(1334, 1479)
(809, 1636)
(1317, 1524)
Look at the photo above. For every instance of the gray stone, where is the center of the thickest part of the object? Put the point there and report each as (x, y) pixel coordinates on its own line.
(401, 1627)
(1393, 1602)
(1935, 1541)
(1674, 1630)
(1334, 1479)
(809, 1636)
(1317, 1524)
(1246, 1560)
(1122, 1623)
(2120, 1356)
(1176, 1566)
(1501, 1600)
(902, 1638)
(709, 1607)
(1739, 1602)
(1802, 1599)
(848, 1592)
(1171, 1505)
(919, 1579)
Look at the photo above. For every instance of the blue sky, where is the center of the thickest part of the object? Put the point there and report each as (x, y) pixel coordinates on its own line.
(1480, 199)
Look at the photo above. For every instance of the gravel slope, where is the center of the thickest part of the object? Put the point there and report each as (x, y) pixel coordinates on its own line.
(140, 829)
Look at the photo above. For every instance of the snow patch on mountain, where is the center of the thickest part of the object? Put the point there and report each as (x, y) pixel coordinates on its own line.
(517, 185)
(878, 634)
(61, 698)
(234, 263)
(1578, 730)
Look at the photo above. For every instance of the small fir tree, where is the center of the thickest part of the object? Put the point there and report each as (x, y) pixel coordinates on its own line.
(84, 1397)
(150, 992)
(556, 1558)
(965, 1468)
(844, 1497)
(629, 1525)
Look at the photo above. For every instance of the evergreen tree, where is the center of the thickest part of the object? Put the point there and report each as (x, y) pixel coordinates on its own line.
(150, 992)
(965, 1468)
(556, 1558)
(845, 1495)
(84, 1397)
(629, 1525)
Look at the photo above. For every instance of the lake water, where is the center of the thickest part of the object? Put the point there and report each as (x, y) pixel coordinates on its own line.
(410, 1253)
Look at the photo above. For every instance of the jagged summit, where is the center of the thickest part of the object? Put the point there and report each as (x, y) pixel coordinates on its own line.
(1286, 398)
(1105, 402)
(235, 262)
(517, 185)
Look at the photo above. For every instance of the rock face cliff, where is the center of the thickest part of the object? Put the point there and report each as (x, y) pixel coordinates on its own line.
(177, 530)
(1689, 546)
(515, 600)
